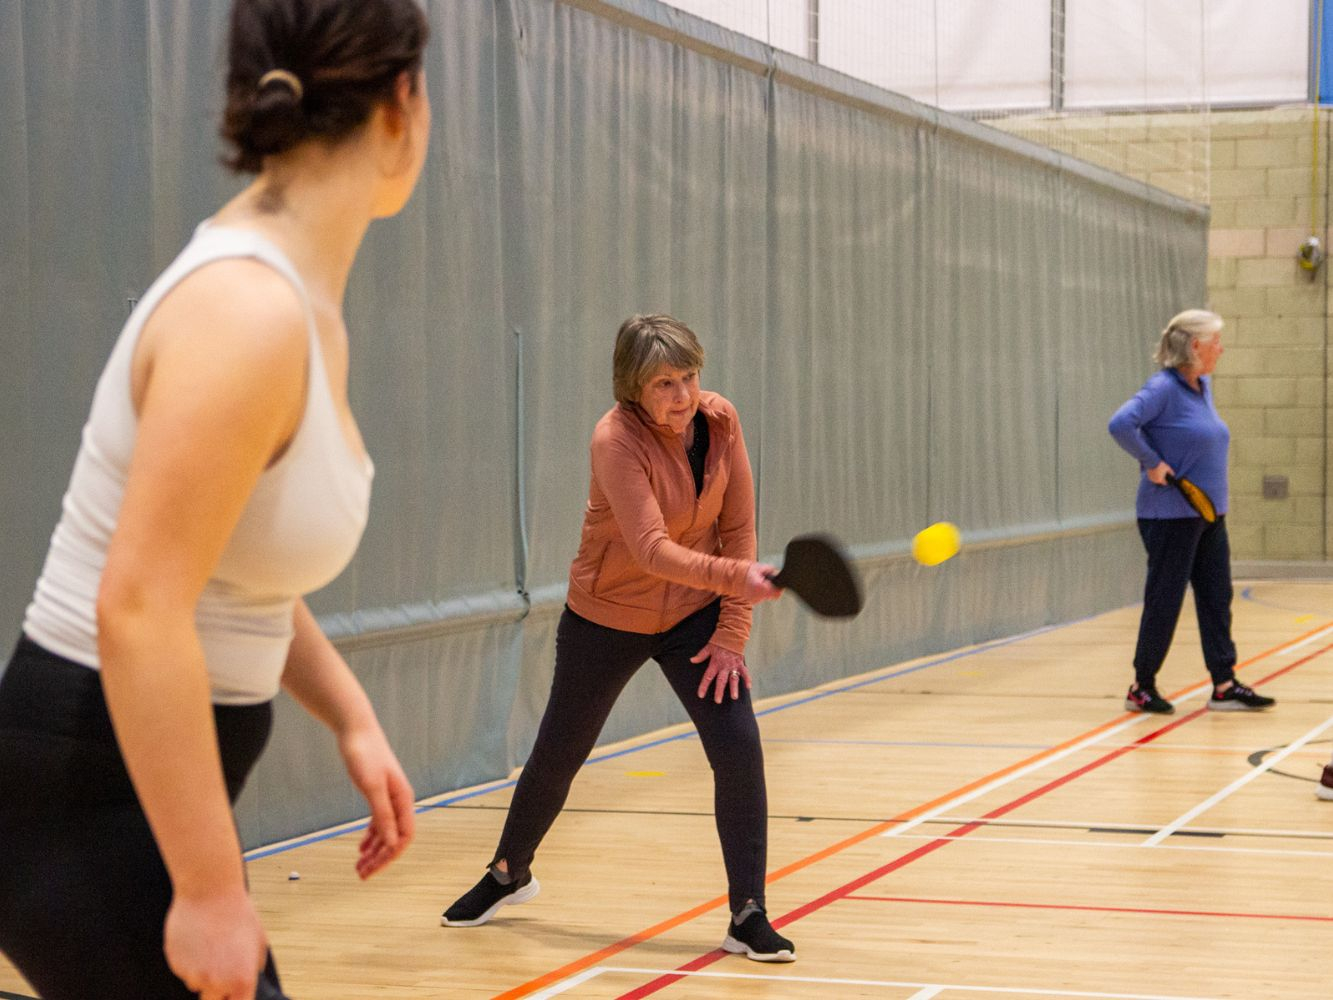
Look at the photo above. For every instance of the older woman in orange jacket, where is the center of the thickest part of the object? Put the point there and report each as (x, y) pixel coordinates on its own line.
(665, 571)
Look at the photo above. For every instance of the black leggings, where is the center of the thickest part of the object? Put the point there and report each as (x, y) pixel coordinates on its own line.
(83, 890)
(592, 666)
(1186, 551)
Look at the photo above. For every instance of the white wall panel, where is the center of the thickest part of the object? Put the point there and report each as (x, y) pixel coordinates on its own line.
(960, 55)
(967, 55)
(917, 317)
(1128, 53)
(784, 24)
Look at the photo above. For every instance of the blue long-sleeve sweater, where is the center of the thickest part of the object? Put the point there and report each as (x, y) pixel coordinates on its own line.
(1167, 421)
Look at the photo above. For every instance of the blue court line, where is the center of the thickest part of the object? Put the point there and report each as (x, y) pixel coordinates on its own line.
(1247, 594)
(315, 838)
(983, 648)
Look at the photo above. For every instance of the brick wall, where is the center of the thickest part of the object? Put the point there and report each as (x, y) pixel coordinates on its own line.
(1272, 383)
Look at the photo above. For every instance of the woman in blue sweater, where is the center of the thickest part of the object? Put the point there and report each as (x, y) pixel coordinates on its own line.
(1172, 427)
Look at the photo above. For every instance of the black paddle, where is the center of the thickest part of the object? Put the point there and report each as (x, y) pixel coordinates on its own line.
(816, 570)
(1196, 497)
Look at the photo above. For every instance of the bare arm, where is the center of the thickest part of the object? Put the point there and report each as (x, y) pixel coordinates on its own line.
(219, 385)
(318, 677)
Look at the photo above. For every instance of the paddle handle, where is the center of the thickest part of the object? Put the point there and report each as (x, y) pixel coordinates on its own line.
(1202, 502)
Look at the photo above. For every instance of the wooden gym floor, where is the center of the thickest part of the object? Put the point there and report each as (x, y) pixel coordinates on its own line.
(987, 823)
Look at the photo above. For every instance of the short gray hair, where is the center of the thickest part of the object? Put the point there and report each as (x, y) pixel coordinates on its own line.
(1176, 348)
(646, 343)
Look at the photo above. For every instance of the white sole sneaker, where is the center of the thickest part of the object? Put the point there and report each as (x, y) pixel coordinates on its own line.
(1324, 792)
(1234, 706)
(741, 948)
(519, 896)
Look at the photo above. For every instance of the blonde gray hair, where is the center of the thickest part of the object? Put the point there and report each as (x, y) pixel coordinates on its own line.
(646, 343)
(1176, 348)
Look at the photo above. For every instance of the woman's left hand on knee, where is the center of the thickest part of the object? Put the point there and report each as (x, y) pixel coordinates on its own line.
(725, 671)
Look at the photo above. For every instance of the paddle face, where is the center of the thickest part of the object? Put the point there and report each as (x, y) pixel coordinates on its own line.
(1197, 498)
(815, 570)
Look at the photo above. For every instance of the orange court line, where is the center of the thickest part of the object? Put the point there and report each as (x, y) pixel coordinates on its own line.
(969, 826)
(589, 960)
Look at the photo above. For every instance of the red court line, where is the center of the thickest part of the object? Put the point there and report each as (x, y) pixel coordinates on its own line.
(962, 831)
(1090, 909)
(703, 961)
(593, 958)
(1293, 665)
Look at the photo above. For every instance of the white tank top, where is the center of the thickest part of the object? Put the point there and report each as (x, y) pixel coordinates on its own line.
(297, 532)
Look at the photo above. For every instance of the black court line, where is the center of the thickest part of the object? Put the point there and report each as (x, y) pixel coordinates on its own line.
(700, 814)
(15, 996)
(1205, 832)
(1247, 594)
(1257, 758)
(938, 821)
(1151, 830)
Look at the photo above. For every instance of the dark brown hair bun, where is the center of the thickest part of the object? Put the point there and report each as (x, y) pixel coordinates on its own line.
(305, 69)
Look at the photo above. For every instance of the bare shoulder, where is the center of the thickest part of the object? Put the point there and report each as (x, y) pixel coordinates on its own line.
(232, 311)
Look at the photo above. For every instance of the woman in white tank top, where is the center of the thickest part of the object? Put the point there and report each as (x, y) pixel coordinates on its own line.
(221, 476)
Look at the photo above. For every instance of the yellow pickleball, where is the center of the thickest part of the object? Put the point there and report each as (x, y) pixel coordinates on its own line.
(935, 544)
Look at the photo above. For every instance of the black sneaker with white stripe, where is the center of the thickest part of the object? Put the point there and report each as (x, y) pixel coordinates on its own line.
(1239, 698)
(755, 938)
(478, 904)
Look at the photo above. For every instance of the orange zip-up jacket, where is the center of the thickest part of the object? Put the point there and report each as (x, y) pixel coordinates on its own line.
(651, 552)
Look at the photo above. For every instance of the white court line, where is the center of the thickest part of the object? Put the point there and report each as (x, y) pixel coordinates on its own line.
(927, 994)
(1078, 747)
(568, 984)
(1195, 692)
(887, 983)
(1309, 639)
(937, 813)
(1213, 800)
(1119, 844)
(1022, 772)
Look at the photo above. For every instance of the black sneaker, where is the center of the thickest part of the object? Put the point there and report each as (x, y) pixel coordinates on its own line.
(754, 937)
(1325, 787)
(478, 904)
(1239, 698)
(1147, 700)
